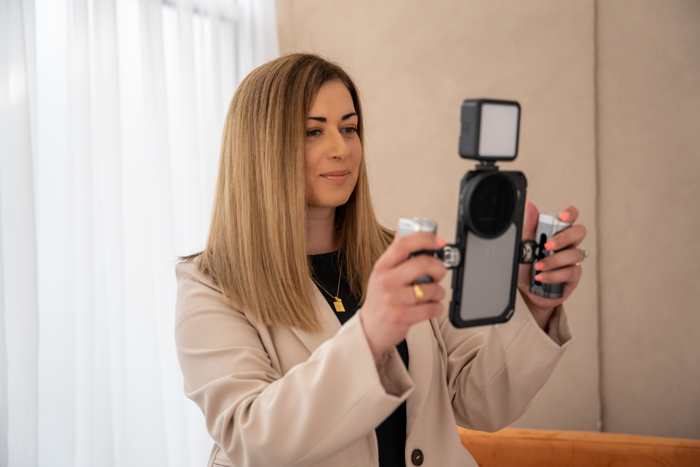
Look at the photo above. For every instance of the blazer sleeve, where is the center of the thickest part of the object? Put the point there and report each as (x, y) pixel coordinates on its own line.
(260, 417)
(494, 372)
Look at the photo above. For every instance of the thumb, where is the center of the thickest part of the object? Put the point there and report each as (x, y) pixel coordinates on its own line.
(530, 223)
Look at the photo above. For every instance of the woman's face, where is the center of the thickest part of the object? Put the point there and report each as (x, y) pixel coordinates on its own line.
(333, 149)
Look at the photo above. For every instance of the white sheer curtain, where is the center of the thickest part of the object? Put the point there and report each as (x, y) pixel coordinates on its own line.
(110, 120)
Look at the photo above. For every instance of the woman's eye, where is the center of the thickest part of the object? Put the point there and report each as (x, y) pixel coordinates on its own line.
(313, 132)
(350, 129)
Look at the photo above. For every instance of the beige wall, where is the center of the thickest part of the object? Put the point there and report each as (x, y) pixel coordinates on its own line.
(586, 139)
(649, 166)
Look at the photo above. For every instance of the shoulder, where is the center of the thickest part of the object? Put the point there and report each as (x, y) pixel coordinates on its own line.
(189, 274)
(204, 317)
(197, 293)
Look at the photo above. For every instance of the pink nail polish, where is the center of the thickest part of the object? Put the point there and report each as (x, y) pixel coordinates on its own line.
(539, 266)
(549, 245)
(441, 242)
(538, 277)
(564, 216)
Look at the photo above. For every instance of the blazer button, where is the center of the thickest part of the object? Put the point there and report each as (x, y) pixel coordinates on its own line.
(417, 457)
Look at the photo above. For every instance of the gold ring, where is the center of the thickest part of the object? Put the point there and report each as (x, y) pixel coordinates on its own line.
(419, 294)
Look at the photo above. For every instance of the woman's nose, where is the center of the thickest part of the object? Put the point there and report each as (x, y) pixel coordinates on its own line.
(339, 147)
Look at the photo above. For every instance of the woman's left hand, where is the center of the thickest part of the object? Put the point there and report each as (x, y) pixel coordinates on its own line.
(554, 269)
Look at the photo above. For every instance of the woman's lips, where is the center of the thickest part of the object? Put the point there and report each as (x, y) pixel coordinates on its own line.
(337, 177)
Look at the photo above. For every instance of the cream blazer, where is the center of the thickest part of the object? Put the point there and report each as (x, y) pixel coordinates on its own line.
(278, 396)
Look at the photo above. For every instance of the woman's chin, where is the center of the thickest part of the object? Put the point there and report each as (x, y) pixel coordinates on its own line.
(328, 203)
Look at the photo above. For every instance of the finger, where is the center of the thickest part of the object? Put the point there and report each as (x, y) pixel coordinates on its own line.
(431, 293)
(563, 258)
(570, 275)
(570, 214)
(573, 236)
(418, 313)
(530, 223)
(400, 249)
(416, 267)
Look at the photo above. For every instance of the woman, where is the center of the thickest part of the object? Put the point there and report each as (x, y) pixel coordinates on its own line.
(283, 375)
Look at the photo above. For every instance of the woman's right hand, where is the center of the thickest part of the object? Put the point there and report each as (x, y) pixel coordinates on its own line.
(390, 307)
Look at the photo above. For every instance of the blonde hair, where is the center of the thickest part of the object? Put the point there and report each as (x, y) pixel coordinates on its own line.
(256, 250)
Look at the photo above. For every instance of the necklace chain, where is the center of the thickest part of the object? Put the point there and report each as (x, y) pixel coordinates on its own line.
(337, 302)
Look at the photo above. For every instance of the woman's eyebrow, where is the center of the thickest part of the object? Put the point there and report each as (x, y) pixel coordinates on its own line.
(324, 119)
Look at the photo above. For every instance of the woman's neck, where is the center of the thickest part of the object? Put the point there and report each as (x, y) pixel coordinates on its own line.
(320, 230)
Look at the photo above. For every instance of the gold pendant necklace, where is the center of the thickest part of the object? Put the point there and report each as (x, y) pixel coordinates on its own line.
(337, 302)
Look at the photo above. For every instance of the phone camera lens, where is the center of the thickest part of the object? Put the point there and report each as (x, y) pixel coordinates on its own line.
(490, 204)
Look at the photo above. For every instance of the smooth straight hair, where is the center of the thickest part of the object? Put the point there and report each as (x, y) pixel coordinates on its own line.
(256, 249)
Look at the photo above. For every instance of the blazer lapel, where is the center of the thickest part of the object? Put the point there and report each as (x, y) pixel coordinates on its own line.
(329, 324)
(420, 367)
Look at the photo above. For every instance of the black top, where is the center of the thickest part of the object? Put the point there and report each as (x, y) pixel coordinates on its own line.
(391, 434)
